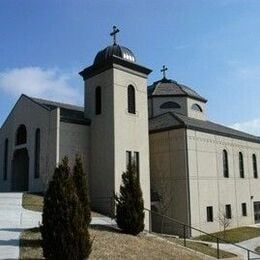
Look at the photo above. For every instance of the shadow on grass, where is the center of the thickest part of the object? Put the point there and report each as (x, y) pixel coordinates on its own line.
(33, 258)
(30, 242)
(35, 230)
(105, 228)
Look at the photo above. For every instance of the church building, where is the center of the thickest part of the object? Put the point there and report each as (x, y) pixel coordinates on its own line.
(189, 168)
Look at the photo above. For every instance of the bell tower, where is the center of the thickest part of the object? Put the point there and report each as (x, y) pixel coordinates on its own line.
(116, 104)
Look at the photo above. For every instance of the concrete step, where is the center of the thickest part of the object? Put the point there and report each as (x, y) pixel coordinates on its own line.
(11, 195)
(10, 199)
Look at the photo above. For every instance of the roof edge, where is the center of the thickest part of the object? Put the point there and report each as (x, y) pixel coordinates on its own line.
(18, 100)
(97, 69)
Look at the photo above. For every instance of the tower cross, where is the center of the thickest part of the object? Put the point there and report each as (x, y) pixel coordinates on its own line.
(115, 31)
(163, 70)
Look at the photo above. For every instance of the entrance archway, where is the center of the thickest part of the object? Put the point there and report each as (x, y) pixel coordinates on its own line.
(20, 170)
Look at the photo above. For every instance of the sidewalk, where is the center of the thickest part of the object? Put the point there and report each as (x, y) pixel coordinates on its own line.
(13, 220)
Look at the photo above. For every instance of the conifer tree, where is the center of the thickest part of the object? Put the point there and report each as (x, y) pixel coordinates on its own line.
(130, 204)
(64, 232)
(81, 184)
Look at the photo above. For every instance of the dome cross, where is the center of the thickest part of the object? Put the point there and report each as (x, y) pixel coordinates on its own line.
(113, 33)
(163, 70)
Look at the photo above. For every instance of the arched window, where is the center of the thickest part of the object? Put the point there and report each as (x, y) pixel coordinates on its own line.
(225, 164)
(170, 104)
(131, 99)
(241, 165)
(37, 147)
(98, 100)
(21, 135)
(255, 166)
(5, 163)
(196, 107)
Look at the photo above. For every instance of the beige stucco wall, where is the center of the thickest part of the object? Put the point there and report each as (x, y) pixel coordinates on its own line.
(101, 141)
(169, 176)
(115, 131)
(32, 116)
(194, 113)
(74, 140)
(208, 187)
(131, 130)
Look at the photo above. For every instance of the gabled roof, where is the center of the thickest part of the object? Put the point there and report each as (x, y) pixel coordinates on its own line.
(68, 113)
(168, 87)
(171, 120)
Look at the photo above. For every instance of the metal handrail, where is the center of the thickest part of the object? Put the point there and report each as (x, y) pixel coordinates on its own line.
(185, 228)
(203, 232)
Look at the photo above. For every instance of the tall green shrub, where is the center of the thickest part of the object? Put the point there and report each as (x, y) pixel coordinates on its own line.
(81, 183)
(64, 231)
(130, 204)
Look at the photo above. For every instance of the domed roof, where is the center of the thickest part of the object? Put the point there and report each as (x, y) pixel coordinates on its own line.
(168, 87)
(114, 50)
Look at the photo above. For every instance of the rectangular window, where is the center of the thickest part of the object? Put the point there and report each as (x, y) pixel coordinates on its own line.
(255, 166)
(128, 158)
(98, 101)
(241, 165)
(37, 153)
(136, 162)
(244, 211)
(5, 168)
(210, 214)
(228, 211)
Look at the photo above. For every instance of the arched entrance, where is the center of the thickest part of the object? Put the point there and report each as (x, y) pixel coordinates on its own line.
(20, 170)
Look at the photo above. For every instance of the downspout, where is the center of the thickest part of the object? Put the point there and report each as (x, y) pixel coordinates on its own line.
(58, 136)
(187, 180)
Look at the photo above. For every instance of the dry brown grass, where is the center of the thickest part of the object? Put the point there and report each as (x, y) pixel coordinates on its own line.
(34, 201)
(203, 248)
(112, 244)
(109, 243)
(234, 235)
(30, 244)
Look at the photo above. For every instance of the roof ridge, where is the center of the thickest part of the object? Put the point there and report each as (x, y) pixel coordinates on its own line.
(161, 115)
(175, 115)
(46, 102)
(217, 124)
(233, 129)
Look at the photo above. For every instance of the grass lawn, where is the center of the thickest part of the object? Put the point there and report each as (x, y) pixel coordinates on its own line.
(233, 235)
(33, 201)
(112, 244)
(202, 247)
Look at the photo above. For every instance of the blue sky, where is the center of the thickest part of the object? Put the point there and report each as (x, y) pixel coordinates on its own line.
(211, 46)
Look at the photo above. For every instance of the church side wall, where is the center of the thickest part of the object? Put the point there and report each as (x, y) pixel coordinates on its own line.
(169, 178)
(32, 116)
(208, 186)
(74, 140)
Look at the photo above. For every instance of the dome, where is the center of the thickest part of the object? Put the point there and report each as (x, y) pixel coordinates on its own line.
(168, 87)
(114, 50)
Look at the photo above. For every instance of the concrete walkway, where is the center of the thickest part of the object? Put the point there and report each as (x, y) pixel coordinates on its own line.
(13, 220)
(250, 244)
